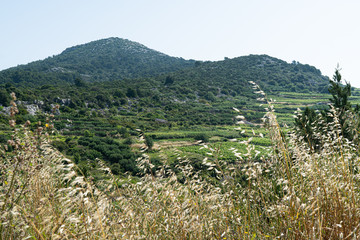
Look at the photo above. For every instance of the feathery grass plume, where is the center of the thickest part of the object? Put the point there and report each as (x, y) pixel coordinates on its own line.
(314, 193)
(41, 195)
(292, 193)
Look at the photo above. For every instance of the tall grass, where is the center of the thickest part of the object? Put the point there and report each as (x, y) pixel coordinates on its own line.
(293, 193)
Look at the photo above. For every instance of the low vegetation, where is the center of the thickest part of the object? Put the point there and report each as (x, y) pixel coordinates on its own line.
(294, 192)
(112, 140)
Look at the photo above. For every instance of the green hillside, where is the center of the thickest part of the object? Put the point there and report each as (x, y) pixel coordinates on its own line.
(119, 59)
(106, 59)
(231, 78)
(108, 89)
(114, 76)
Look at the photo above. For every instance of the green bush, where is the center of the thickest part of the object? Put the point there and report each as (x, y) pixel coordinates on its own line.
(149, 142)
(202, 136)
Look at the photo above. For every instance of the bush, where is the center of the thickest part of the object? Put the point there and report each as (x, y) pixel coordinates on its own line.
(149, 142)
(201, 136)
(60, 145)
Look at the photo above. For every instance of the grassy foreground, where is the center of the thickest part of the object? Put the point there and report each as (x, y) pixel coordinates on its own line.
(294, 193)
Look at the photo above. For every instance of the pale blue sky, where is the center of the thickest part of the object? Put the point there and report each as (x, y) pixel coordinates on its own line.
(321, 33)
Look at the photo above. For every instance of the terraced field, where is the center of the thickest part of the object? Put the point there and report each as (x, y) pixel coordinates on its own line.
(230, 139)
(187, 140)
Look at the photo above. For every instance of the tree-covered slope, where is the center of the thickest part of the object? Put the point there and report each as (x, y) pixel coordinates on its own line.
(106, 59)
(126, 76)
(231, 77)
(119, 59)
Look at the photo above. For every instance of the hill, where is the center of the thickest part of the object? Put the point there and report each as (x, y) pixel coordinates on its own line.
(103, 103)
(120, 59)
(231, 77)
(106, 59)
(130, 79)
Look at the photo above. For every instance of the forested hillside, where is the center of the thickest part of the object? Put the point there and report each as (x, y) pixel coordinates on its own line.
(107, 89)
(119, 59)
(116, 76)
(285, 189)
(107, 59)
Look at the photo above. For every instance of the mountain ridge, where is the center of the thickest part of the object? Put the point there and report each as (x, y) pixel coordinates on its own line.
(114, 76)
(100, 60)
(121, 59)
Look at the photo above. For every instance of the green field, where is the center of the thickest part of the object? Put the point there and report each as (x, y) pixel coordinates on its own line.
(228, 138)
(186, 135)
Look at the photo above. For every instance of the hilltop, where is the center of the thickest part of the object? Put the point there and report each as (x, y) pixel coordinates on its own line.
(120, 59)
(117, 76)
(101, 60)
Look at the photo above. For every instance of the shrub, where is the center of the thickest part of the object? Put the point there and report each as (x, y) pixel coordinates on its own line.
(149, 142)
(201, 136)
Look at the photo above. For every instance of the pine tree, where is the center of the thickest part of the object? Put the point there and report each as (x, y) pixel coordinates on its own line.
(340, 98)
(306, 122)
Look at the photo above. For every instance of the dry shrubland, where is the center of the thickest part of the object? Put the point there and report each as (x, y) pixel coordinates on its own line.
(293, 193)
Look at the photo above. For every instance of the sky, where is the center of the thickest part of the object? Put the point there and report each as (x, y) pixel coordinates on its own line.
(321, 33)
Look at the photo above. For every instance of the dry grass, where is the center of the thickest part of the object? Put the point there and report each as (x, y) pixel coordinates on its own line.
(295, 193)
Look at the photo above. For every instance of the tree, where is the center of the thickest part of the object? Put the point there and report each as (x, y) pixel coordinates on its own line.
(308, 119)
(305, 124)
(169, 80)
(131, 93)
(149, 142)
(79, 82)
(201, 136)
(340, 96)
(118, 93)
(4, 97)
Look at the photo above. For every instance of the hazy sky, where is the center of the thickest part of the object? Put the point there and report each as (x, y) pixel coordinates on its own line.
(322, 33)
